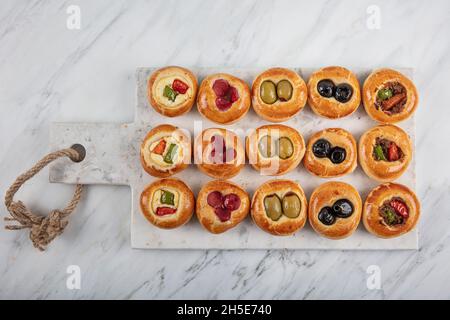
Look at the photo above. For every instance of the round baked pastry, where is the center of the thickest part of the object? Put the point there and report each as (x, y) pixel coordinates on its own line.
(223, 98)
(335, 210)
(390, 210)
(274, 149)
(389, 96)
(333, 92)
(331, 153)
(219, 153)
(165, 151)
(278, 94)
(221, 205)
(172, 91)
(385, 152)
(167, 203)
(279, 207)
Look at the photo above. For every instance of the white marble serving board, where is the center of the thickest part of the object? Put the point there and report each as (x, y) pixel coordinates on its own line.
(112, 157)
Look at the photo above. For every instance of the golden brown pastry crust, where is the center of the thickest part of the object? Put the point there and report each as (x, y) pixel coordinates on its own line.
(206, 100)
(280, 110)
(283, 226)
(330, 107)
(274, 166)
(325, 195)
(373, 221)
(155, 96)
(185, 207)
(152, 167)
(384, 170)
(205, 213)
(323, 167)
(202, 151)
(370, 89)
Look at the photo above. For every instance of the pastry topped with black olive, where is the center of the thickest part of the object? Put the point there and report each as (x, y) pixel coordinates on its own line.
(167, 203)
(385, 152)
(333, 92)
(335, 210)
(165, 151)
(331, 153)
(219, 153)
(389, 96)
(279, 207)
(278, 94)
(391, 210)
(223, 98)
(221, 205)
(274, 149)
(172, 91)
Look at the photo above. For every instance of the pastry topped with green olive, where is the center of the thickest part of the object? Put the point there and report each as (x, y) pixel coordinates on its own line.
(165, 151)
(279, 207)
(335, 210)
(331, 153)
(223, 98)
(219, 153)
(221, 205)
(172, 91)
(278, 94)
(167, 203)
(333, 92)
(390, 210)
(385, 152)
(274, 149)
(389, 96)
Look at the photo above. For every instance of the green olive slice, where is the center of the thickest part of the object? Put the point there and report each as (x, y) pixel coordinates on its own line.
(272, 205)
(286, 148)
(267, 147)
(291, 205)
(284, 90)
(268, 92)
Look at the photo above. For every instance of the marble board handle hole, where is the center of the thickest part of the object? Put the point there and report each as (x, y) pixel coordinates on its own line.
(81, 150)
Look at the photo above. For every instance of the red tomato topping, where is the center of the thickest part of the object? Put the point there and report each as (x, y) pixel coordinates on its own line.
(179, 86)
(400, 208)
(393, 152)
(162, 211)
(160, 147)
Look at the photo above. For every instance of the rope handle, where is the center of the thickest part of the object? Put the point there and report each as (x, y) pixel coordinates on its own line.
(43, 229)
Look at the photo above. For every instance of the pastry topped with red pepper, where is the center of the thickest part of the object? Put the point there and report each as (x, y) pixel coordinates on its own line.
(167, 203)
(172, 90)
(391, 210)
(389, 96)
(165, 151)
(219, 153)
(221, 205)
(223, 98)
(385, 152)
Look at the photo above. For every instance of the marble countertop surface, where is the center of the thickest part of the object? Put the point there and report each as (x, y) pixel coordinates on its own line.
(51, 72)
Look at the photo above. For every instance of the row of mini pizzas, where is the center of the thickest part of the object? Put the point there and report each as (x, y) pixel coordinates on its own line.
(280, 207)
(278, 94)
(385, 151)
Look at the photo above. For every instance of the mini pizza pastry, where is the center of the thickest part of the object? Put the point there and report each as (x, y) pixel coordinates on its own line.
(165, 151)
(172, 91)
(219, 153)
(278, 94)
(279, 207)
(223, 98)
(274, 149)
(389, 96)
(221, 205)
(391, 210)
(333, 92)
(335, 210)
(167, 203)
(385, 152)
(331, 153)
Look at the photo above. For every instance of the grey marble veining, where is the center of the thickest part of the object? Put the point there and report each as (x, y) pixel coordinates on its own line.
(51, 74)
